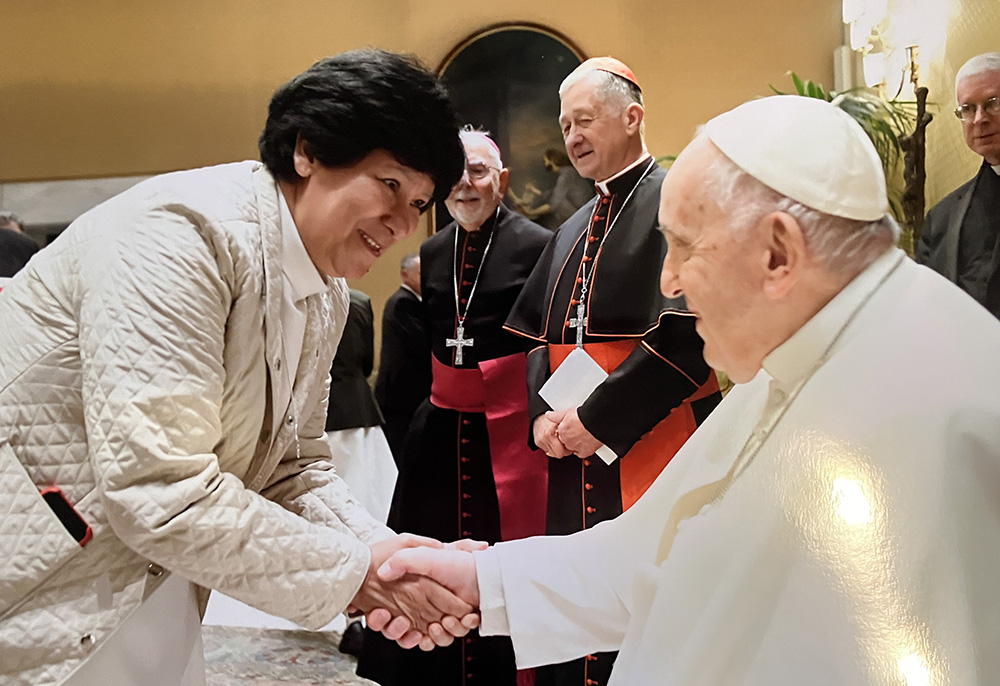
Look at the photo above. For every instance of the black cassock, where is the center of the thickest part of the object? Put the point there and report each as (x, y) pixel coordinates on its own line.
(623, 255)
(404, 379)
(446, 488)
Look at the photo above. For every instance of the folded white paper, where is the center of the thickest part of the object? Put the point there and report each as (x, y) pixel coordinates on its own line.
(571, 384)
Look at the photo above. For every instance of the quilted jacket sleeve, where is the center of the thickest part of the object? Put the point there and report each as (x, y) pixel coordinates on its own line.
(152, 344)
(310, 487)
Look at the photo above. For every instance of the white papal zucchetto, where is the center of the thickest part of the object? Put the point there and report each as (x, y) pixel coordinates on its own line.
(807, 149)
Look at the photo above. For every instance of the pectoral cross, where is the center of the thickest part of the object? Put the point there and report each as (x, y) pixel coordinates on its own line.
(458, 342)
(579, 321)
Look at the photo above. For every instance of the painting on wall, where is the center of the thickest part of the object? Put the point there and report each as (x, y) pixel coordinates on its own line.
(505, 79)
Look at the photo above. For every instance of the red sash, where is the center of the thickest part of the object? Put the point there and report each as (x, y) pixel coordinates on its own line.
(640, 466)
(498, 389)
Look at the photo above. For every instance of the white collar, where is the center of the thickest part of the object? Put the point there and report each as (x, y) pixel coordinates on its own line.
(603, 185)
(794, 358)
(300, 271)
(404, 286)
(996, 169)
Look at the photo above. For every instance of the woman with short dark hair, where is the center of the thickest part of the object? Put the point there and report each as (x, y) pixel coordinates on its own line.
(163, 375)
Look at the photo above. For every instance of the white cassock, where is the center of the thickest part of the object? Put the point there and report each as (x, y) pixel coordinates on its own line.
(856, 539)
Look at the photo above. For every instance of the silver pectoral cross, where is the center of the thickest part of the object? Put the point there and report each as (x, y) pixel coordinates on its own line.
(460, 341)
(579, 321)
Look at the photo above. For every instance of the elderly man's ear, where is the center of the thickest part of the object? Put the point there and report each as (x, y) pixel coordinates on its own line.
(504, 181)
(785, 253)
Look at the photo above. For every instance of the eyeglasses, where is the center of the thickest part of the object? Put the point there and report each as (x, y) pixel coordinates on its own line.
(967, 112)
(479, 171)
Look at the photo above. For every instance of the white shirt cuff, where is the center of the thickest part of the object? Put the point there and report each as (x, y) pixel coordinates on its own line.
(492, 607)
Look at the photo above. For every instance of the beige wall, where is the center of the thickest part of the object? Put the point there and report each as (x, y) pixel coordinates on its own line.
(111, 88)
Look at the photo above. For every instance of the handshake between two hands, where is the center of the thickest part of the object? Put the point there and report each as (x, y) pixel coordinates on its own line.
(419, 591)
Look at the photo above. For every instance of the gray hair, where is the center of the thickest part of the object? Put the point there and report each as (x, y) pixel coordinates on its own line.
(11, 218)
(409, 261)
(841, 244)
(987, 63)
(468, 134)
(610, 89)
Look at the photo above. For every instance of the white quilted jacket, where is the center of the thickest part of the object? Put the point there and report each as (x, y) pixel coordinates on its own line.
(137, 354)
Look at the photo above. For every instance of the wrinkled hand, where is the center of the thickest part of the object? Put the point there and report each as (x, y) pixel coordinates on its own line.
(417, 608)
(546, 438)
(452, 568)
(437, 634)
(468, 545)
(575, 436)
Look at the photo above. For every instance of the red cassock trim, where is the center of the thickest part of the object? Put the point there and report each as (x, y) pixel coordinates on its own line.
(498, 389)
(640, 466)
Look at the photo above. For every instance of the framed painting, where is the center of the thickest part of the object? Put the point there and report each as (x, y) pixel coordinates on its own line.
(505, 79)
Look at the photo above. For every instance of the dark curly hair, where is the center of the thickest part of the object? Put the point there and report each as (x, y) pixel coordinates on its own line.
(355, 103)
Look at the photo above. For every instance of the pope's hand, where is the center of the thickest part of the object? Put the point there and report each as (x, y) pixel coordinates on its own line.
(546, 438)
(452, 568)
(574, 435)
(418, 608)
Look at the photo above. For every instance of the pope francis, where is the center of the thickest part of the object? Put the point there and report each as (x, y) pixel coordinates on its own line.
(837, 519)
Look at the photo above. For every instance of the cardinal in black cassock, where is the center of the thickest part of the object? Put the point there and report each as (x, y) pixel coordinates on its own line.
(596, 287)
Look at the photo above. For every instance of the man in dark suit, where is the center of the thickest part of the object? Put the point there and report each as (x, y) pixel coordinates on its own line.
(15, 248)
(960, 234)
(404, 372)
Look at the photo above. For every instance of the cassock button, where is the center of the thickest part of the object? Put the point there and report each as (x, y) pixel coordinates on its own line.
(579, 279)
(464, 300)
(591, 658)
(466, 477)
(466, 496)
(591, 682)
(465, 440)
(466, 534)
(589, 487)
(465, 422)
(466, 515)
(587, 258)
(466, 283)
(574, 301)
(586, 463)
(463, 460)
(568, 325)
(592, 239)
(591, 510)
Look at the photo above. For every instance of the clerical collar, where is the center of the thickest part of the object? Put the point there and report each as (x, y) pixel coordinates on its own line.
(407, 288)
(625, 179)
(996, 168)
(296, 265)
(797, 356)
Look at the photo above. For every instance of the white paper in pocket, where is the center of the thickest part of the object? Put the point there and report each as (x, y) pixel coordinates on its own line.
(572, 383)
